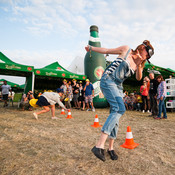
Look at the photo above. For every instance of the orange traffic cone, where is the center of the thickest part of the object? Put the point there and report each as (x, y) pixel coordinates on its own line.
(69, 114)
(96, 122)
(129, 142)
(62, 112)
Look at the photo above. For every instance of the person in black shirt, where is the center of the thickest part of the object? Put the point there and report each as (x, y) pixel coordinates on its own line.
(81, 98)
(75, 88)
(153, 94)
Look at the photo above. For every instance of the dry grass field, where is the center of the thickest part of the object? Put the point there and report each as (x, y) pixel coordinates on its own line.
(63, 146)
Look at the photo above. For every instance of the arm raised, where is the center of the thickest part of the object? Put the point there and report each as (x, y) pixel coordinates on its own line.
(119, 50)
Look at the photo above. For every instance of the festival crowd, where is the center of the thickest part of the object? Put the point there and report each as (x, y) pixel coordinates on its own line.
(151, 97)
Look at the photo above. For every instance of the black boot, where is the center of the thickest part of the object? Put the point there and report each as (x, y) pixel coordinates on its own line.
(113, 155)
(99, 153)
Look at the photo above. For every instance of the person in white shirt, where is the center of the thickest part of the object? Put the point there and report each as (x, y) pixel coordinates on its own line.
(5, 88)
(48, 100)
(11, 96)
(64, 86)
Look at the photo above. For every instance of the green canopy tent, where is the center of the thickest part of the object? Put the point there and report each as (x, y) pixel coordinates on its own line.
(165, 72)
(13, 85)
(22, 86)
(8, 67)
(50, 76)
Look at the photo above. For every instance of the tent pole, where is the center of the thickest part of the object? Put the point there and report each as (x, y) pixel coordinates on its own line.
(33, 81)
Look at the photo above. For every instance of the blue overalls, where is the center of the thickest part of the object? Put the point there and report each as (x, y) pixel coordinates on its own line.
(111, 86)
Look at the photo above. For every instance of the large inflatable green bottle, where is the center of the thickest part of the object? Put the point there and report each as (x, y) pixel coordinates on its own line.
(94, 66)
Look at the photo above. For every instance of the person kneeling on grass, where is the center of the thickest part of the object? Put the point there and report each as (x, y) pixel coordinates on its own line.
(48, 100)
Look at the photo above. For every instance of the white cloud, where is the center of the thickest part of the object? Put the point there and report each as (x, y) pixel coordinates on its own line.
(39, 58)
(120, 22)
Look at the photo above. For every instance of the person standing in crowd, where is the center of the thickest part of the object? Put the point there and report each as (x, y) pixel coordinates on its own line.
(48, 100)
(64, 86)
(68, 96)
(5, 88)
(161, 92)
(81, 98)
(128, 62)
(148, 87)
(132, 99)
(11, 96)
(144, 93)
(89, 94)
(75, 89)
(25, 101)
(153, 95)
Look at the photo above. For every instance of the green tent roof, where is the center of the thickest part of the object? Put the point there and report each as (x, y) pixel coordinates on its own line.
(13, 68)
(165, 72)
(22, 86)
(56, 70)
(9, 83)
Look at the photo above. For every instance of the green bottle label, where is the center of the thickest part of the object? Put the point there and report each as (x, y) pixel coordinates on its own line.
(98, 72)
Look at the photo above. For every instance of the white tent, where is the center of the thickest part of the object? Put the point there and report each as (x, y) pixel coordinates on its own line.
(77, 65)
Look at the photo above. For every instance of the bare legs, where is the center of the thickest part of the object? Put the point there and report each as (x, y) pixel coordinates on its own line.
(111, 144)
(53, 110)
(47, 109)
(102, 140)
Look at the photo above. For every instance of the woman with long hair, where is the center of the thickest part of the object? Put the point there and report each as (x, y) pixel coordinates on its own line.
(144, 93)
(128, 62)
(161, 91)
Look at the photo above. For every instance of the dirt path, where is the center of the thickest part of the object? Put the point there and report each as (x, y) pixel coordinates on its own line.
(63, 146)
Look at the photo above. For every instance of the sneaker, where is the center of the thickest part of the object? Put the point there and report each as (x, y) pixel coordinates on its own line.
(93, 109)
(148, 111)
(99, 153)
(35, 115)
(54, 118)
(113, 155)
(157, 118)
(88, 109)
(143, 111)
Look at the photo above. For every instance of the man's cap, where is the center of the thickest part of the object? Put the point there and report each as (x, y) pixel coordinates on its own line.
(59, 90)
(80, 82)
(65, 80)
(87, 80)
(74, 80)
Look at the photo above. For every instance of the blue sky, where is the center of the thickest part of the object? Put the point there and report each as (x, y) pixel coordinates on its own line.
(39, 32)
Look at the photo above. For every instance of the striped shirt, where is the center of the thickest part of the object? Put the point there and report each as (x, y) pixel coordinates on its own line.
(114, 65)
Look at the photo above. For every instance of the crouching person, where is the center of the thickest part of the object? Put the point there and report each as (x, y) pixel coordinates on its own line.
(48, 100)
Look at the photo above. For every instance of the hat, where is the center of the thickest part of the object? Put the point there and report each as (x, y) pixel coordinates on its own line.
(74, 80)
(59, 90)
(87, 80)
(66, 99)
(32, 102)
(65, 80)
(80, 82)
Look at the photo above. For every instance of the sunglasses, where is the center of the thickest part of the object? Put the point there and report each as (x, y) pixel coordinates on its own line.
(150, 52)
